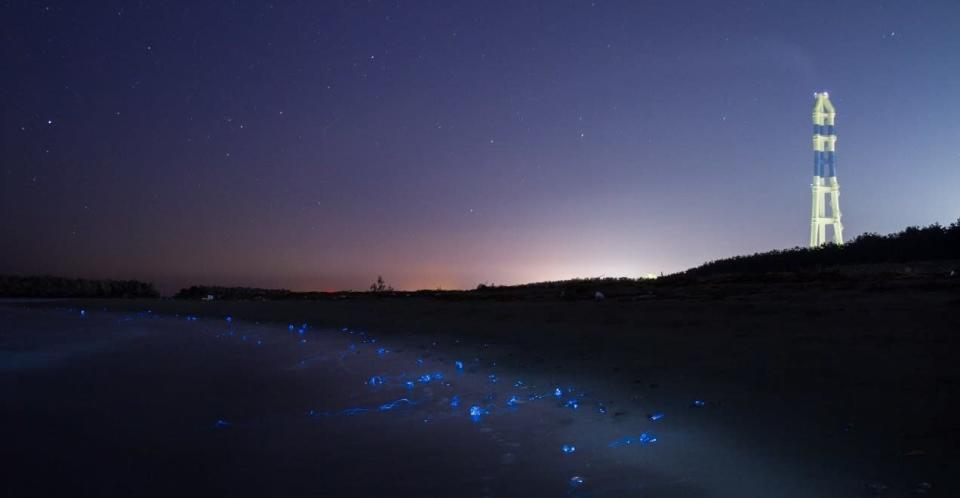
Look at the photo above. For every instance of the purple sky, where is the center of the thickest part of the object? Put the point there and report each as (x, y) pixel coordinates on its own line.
(315, 145)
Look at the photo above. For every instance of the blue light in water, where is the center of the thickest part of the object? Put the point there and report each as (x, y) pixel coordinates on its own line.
(376, 380)
(83, 312)
(455, 401)
(699, 403)
(493, 378)
(518, 384)
(290, 327)
(353, 347)
(643, 439)
(557, 392)
(655, 416)
(476, 412)
(437, 375)
(576, 481)
(301, 331)
(573, 404)
(409, 384)
(419, 361)
(221, 424)
(382, 351)
(229, 319)
(512, 401)
(394, 404)
(568, 448)
(425, 378)
(602, 409)
(459, 364)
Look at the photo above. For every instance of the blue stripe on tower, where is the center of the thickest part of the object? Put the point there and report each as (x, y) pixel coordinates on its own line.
(816, 129)
(816, 163)
(828, 129)
(832, 163)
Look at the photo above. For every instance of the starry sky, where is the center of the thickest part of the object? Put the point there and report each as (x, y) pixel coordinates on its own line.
(313, 145)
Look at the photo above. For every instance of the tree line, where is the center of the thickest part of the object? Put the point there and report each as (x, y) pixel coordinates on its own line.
(930, 243)
(51, 287)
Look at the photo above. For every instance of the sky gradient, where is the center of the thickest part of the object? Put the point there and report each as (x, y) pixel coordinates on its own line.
(315, 145)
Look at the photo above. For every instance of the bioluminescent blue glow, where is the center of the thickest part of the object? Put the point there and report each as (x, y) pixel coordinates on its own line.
(229, 319)
(458, 364)
(655, 416)
(290, 327)
(410, 384)
(419, 362)
(221, 424)
(476, 412)
(518, 384)
(576, 481)
(568, 448)
(382, 351)
(512, 401)
(455, 401)
(83, 312)
(558, 392)
(572, 404)
(699, 403)
(643, 439)
(492, 378)
(375, 380)
(394, 404)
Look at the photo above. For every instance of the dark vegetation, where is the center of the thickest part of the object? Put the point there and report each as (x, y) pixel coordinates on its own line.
(931, 243)
(51, 287)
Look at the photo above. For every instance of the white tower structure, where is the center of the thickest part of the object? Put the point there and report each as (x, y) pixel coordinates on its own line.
(824, 158)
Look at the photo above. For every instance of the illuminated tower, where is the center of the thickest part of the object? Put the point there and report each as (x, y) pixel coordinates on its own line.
(824, 145)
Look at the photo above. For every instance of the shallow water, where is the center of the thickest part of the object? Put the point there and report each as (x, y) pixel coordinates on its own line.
(112, 404)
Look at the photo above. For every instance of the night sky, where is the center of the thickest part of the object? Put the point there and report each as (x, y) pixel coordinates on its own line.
(317, 144)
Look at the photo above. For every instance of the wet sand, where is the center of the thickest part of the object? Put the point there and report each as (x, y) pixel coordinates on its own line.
(806, 392)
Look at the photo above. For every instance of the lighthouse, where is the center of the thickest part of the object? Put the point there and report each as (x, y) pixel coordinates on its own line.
(825, 183)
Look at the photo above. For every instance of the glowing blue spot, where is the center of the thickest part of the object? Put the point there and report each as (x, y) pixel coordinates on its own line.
(419, 361)
(602, 409)
(573, 404)
(557, 392)
(409, 384)
(376, 380)
(655, 416)
(512, 401)
(83, 312)
(476, 412)
(699, 403)
(493, 378)
(229, 319)
(344, 329)
(303, 341)
(518, 384)
(576, 481)
(643, 439)
(221, 424)
(568, 448)
(394, 404)
(259, 342)
(353, 347)
(301, 331)
(290, 327)
(455, 401)
(425, 378)
(458, 364)
(382, 351)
